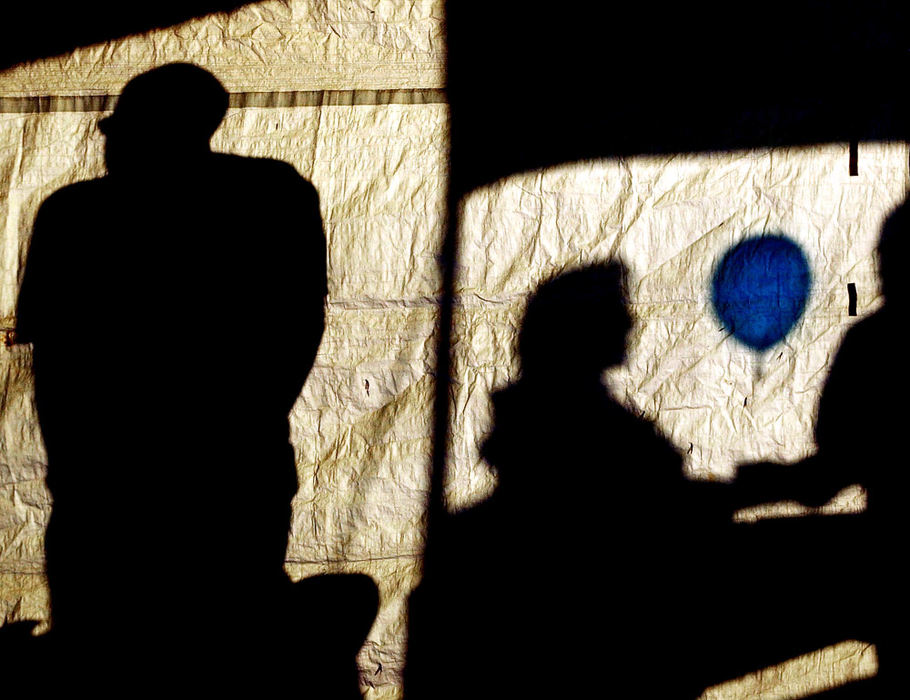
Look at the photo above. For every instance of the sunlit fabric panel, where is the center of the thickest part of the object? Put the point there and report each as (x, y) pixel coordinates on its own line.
(273, 46)
(722, 395)
(351, 97)
(362, 426)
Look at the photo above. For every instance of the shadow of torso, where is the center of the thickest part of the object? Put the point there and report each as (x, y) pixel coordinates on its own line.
(174, 320)
(574, 576)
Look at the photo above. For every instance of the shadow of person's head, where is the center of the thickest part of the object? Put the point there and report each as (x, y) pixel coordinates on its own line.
(163, 118)
(576, 325)
(892, 252)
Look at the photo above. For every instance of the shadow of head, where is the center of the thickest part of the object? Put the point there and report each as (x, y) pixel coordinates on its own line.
(576, 323)
(165, 115)
(892, 252)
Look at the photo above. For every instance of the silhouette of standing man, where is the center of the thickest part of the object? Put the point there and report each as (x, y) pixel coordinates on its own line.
(587, 558)
(175, 307)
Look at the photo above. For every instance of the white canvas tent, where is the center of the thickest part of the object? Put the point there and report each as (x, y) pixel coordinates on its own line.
(353, 96)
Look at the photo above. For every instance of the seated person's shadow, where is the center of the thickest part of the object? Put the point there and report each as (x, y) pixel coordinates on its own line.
(175, 307)
(579, 571)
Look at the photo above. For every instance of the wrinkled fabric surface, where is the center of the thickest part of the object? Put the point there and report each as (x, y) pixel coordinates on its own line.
(351, 97)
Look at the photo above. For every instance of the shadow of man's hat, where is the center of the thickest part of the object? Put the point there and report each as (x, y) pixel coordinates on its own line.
(178, 100)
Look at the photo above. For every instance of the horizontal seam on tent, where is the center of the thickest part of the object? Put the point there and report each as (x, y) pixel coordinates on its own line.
(41, 104)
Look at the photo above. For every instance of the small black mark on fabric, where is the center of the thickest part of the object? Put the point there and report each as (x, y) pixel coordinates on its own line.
(745, 401)
(691, 447)
(366, 385)
(378, 669)
(851, 299)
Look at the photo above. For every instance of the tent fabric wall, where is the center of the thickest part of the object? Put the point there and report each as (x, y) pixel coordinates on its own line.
(352, 95)
(670, 220)
(273, 46)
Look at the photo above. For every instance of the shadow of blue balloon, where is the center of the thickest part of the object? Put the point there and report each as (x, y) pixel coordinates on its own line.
(760, 289)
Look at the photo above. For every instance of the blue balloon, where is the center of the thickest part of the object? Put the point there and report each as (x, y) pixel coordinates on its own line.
(760, 289)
